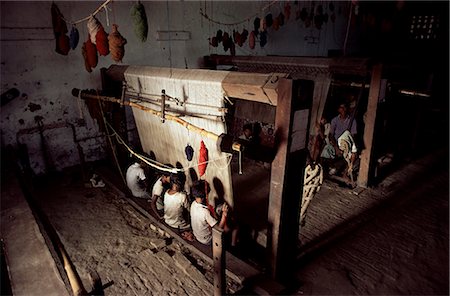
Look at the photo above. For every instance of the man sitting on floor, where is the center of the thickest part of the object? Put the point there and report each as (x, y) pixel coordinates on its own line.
(201, 219)
(137, 181)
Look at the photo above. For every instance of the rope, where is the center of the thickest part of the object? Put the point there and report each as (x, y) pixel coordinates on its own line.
(110, 142)
(348, 29)
(89, 16)
(313, 179)
(240, 22)
(160, 166)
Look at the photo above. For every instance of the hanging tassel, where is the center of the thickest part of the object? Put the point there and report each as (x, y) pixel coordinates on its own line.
(140, 21)
(116, 44)
(107, 17)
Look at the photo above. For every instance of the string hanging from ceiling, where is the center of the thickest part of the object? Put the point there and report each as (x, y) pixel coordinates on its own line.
(102, 6)
(239, 22)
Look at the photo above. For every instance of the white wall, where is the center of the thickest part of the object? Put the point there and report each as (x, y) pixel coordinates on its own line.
(29, 61)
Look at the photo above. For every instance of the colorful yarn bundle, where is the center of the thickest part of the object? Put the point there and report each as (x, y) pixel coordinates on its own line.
(140, 21)
(93, 26)
(59, 30)
(90, 55)
(251, 40)
(74, 37)
(202, 159)
(101, 39)
(116, 44)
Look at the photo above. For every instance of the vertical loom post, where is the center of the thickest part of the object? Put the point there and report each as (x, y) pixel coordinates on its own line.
(286, 188)
(366, 154)
(219, 261)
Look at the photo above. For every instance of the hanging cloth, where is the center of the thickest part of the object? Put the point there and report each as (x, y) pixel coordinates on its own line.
(139, 21)
(116, 44)
(202, 159)
(59, 30)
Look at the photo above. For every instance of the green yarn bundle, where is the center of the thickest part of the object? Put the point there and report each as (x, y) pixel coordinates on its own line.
(140, 21)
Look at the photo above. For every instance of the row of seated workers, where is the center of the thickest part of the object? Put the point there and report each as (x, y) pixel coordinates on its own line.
(193, 217)
(188, 214)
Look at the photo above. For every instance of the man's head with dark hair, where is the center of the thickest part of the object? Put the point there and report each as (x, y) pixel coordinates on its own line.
(176, 180)
(200, 189)
(248, 131)
(342, 108)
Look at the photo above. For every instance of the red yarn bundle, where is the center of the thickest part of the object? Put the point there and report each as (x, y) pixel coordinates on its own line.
(101, 41)
(90, 55)
(59, 30)
(202, 159)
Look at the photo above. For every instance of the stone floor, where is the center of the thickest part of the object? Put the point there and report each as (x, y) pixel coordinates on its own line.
(390, 239)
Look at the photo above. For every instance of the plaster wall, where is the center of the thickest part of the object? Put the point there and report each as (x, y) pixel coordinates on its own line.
(45, 78)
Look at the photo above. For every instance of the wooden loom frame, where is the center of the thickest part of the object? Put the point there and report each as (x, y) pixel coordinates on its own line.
(275, 88)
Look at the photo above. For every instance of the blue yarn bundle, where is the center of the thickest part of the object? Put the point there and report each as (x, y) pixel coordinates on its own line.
(74, 37)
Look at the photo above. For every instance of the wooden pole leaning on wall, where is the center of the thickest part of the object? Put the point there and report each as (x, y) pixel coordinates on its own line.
(85, 95)
(219, 261)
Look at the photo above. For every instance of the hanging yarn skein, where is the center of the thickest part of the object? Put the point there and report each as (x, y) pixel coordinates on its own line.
(91, 58)
(93, 26)
(116, 44)
(74, 37)
(101, 39)
(60, 30)
(140, 21)
(85, 57)
(202, 159)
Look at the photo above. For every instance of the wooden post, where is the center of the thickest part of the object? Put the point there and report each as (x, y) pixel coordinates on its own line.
(219, 261)
(371, 113)
(285, 188)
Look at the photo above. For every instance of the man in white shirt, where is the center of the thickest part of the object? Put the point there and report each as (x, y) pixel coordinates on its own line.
(175, 202)
(201, 219)
(158, 191)
(137, 181)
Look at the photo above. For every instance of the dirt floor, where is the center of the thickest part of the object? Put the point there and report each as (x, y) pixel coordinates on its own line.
(399, 245)
(390, 240)
(102, 232)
